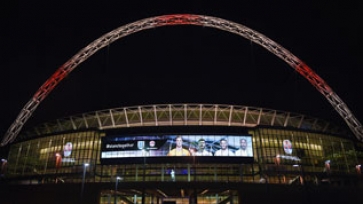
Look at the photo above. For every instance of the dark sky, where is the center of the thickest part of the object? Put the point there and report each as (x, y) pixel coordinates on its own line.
(179, 64)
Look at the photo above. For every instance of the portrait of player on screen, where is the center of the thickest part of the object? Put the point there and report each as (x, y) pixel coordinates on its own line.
(202, 151)
(224, 150)
(179, 150)
(243, 151)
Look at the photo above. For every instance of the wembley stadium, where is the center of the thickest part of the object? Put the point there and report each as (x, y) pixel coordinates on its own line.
(183, 153)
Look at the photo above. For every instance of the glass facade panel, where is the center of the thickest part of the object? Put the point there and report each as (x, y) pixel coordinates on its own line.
(65, 154)
(54, 155)
(311, 157)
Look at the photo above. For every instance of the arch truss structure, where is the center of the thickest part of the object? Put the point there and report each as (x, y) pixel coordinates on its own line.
(183, 19)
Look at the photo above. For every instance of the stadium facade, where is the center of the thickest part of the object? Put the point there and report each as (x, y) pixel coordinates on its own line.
(183, 153)
(121, 155)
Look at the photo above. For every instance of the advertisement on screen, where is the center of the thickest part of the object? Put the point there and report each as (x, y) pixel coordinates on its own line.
(176, 145)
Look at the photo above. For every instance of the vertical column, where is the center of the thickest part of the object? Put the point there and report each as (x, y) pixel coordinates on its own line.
(215, 174)
(136, 172)
(47, 153)
(135, 199)
(162, 172)
(17, 159)
(188, 172)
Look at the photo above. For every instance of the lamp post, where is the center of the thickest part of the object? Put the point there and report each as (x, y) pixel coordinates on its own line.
(85, 165)
(117, 179)
(301, 176)
(58, 162)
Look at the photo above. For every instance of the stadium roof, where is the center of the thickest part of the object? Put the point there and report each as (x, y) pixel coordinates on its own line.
(183, 115)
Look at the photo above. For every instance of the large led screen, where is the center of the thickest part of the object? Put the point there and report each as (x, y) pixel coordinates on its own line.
(176, 145)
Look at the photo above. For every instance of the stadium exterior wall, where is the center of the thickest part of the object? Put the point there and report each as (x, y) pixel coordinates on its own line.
(320, 157)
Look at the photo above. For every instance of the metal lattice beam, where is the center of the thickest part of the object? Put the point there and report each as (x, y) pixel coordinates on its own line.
(183, 19)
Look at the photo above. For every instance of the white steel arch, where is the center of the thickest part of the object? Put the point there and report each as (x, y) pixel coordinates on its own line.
(183, 19)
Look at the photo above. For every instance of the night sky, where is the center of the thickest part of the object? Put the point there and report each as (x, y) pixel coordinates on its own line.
(179, 64)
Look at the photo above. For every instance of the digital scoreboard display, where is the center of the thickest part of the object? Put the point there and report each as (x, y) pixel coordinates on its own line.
(134, 148)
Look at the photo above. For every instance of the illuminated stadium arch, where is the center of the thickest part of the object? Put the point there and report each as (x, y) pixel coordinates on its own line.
(183, 19)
